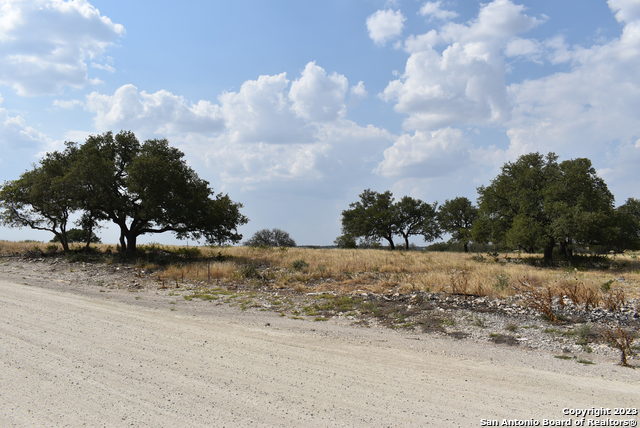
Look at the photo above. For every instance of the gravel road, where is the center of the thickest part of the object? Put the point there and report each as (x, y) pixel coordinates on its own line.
(72, 359)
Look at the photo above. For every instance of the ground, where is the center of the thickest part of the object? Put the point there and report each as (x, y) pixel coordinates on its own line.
(111, 345)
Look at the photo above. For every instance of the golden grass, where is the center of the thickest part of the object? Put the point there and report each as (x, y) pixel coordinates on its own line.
(382, 271)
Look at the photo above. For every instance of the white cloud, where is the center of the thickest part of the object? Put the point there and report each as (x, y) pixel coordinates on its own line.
(317, 96)
(159, 113)
(527, 48)
(425, 154)
(261, 112)
(434, 9)
(462, 83)
(68, 104)
(385, 25)
(625, 10)
(45, 45)
(270, 130)
(18, 140)
(359, 90)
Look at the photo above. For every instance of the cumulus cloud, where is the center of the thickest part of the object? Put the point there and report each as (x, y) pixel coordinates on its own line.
(625, 10)
(158, 113)
(425, 154)
(463, 82)
(359, 90)
(272, 129)
(433, 9)
(18, 140)
(317, 96)
(46, 45)
(589, 110)
(261, 112)
(385, 25)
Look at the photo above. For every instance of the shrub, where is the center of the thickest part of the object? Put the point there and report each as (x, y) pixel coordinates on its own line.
(271, 238)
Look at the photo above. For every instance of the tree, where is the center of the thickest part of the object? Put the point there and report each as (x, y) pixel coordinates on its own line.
(456, 216)
(628, 225)
(372, 217)
(345, 241)
(148, 188)
(536, 203)
(415, 217)
(79, 235)
(271, 238)
(42, 198)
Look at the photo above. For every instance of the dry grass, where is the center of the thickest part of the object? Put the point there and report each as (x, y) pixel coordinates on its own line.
(382, 271)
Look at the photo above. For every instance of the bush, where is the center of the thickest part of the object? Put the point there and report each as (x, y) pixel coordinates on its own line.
(271, 238)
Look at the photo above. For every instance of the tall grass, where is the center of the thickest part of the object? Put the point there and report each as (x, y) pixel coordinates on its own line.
(381, 271)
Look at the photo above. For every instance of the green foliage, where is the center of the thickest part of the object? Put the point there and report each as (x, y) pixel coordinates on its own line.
(299, 265)
(415, 217)
(627, 220)
(376, 216)
(271, 238)
(456, 216)
(345, 241)
(148, 188)
(44, 197)
(372, 217)
(79, 235)
(536, 203)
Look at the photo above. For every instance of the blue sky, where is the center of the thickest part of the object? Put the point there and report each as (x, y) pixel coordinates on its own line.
(294, 108)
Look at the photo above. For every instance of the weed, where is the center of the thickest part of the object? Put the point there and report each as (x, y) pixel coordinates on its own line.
(502, 282)
(621, 339)
(538, 297)
(299, 265)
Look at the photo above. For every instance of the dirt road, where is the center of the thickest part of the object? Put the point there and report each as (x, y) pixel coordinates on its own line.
(71, 360)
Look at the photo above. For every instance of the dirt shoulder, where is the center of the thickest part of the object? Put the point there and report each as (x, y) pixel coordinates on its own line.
(97, 351)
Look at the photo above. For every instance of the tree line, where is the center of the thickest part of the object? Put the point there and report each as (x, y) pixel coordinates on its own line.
(534, 204)
(140, 187)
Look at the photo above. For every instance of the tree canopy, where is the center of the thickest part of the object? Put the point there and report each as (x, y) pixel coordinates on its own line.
(271, 238)
(536, 203)
(141, 187)
(377, 216)
(44, 197)
(456, 216)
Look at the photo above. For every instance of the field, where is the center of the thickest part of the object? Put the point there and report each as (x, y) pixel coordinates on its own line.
(381, 271)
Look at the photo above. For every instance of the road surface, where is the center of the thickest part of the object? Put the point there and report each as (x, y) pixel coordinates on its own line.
(68, 359)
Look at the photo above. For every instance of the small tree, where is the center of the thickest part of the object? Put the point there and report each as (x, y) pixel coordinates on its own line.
(372, 217)
(415, 217)
(345, 241)
(271, 238)
(42, 198)
(456, 216)
(79, 235)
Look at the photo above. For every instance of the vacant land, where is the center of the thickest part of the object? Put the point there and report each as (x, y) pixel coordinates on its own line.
(73, 356)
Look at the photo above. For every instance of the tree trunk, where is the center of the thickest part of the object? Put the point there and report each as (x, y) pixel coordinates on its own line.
(406, 241)
(389, 238)
(123, 243)
(548, 252)
(131, 245)
(466, 246)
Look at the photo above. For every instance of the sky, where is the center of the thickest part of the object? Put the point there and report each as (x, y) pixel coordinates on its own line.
(294, 108)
